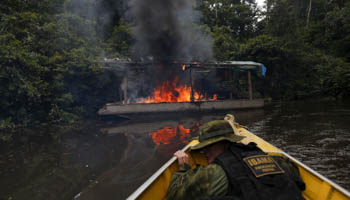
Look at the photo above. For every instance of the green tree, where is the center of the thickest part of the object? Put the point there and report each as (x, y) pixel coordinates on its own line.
(121, 40)
(225, 45)
(239, 17)
(290, 71)
(332, 32)
(49, 62)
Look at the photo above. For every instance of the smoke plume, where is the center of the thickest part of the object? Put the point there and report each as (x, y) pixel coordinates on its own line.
(166, 30)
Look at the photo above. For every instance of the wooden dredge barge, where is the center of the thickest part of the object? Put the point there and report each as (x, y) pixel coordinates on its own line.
(123, 107)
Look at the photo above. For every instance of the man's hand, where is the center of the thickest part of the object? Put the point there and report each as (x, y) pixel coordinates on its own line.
(182, 157)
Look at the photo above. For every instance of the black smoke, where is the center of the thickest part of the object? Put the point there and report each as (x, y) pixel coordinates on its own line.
(168, 30)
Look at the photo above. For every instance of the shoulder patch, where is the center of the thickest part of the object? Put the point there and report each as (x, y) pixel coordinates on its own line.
(262, 165)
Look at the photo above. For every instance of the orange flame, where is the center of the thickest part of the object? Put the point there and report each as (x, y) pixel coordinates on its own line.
(196, 63)
(168, 133)
(171, 92)
(183, 67)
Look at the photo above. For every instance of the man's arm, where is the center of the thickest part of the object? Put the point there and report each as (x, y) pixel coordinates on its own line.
(201, 182)
(175, 190)
(182, 157)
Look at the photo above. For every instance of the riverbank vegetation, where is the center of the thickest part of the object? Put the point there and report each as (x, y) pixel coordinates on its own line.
(51, 52)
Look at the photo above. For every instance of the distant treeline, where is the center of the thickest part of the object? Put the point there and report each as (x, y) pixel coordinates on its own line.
(50, 51)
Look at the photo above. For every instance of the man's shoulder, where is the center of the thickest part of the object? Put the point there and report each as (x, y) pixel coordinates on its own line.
(213, 170)
(214, 166)
(287, 164)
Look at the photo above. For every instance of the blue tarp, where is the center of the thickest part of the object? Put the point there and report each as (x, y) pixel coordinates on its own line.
(264, 69)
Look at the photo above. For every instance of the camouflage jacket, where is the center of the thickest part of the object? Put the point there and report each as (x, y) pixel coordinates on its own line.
(198, 183)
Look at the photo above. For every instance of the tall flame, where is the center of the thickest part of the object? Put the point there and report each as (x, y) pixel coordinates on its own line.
(196, 63)
(183, 67)
(172, 92)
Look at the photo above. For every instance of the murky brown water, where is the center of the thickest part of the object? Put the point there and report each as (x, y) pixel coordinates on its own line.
(110, 159)
(318, 134)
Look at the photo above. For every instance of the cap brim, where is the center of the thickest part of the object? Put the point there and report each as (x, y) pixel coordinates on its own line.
(205, 143)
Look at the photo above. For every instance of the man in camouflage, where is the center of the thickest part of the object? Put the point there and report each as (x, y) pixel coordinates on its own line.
(215, 181)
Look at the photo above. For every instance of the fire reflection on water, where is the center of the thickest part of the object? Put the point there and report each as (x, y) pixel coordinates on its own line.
(168, 133)
(168, 139)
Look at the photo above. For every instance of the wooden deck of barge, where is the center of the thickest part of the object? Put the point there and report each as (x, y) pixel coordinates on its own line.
(143, 108)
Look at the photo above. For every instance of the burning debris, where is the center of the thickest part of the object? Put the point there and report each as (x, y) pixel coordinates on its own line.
(166, 31)
(169, 41)
(172, 92)
(192, 82)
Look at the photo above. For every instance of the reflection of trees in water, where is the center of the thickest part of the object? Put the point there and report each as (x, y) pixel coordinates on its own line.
(141, 157)
(138, 161)
(47, 167)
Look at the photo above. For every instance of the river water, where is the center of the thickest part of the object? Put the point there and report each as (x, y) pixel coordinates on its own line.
(110, 158)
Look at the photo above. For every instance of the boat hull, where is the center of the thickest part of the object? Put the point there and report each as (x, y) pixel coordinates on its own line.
(144, 108)
(318, 187)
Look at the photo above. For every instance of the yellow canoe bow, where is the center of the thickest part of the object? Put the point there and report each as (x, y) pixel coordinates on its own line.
(318, 187)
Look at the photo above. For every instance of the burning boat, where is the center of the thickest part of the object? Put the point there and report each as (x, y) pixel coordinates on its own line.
(192, 86)
(172, 68)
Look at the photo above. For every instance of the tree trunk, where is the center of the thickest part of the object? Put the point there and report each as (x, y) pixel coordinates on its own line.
(191, 80)
(125, 87)
(308, 14)
(250, 86)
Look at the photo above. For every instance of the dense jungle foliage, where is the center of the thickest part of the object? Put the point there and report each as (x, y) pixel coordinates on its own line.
(51, 51)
